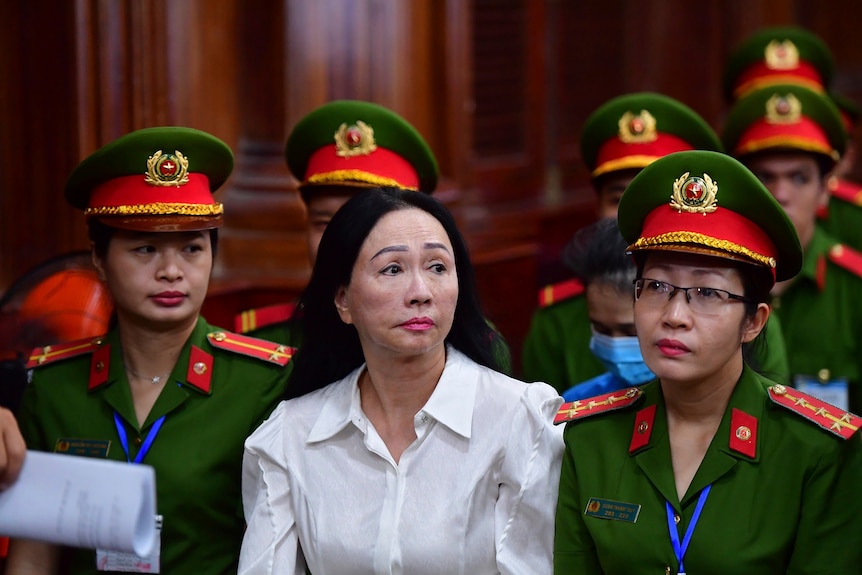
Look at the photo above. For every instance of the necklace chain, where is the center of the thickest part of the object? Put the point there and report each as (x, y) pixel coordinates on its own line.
(154, 380)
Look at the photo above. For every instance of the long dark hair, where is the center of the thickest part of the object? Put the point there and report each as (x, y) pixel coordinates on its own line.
(330, 349)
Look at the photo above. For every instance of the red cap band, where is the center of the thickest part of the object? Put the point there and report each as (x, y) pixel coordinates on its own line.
(615, 154)
(760, 75)
(134, 191)
(720, 231)
(806, 134)
(381, 167)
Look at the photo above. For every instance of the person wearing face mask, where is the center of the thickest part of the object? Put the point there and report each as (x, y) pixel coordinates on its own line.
(710, 468)
(597, 257)
(621, 137)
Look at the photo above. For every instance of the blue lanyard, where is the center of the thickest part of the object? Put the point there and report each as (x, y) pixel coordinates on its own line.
(678, 548)
(148, 441)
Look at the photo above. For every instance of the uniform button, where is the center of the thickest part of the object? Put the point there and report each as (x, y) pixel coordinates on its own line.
(138, 441)
(676, 519)
(423, 418)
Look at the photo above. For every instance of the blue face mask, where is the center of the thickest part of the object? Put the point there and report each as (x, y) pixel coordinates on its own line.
(622, 357)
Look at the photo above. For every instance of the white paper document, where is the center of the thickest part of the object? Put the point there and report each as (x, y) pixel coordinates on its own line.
(82, 502)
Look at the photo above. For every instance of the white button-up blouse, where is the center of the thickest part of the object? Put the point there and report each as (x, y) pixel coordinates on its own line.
(475, 493)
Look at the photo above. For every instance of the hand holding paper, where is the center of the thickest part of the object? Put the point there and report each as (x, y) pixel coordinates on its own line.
(82, 502)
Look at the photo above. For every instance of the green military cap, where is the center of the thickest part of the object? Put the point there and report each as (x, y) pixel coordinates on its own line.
(633, 130)
(359, 144)
(154, 179)
(784, 117)
(709, 203)
(778, 55)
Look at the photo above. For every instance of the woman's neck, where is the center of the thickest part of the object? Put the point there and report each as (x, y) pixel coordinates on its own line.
(152, 351)
(393, 392)
(405, 384)
(702, 401)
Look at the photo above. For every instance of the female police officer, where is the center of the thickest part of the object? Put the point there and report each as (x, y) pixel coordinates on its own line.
(163, 387)
(711, 468)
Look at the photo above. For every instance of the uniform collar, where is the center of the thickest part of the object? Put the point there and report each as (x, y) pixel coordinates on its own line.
(451, 403)
(193, 368)
(730, 445)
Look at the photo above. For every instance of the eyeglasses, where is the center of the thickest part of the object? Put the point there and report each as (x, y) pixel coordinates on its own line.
(705, 300)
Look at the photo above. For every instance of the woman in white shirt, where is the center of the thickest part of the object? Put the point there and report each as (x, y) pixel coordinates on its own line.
(403, 450)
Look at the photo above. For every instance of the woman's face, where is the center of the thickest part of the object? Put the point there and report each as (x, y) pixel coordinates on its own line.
(157, 278)
(682, 345)
(404, 287)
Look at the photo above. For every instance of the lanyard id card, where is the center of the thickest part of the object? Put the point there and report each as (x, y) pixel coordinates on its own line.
(107, 560)
(129, 562)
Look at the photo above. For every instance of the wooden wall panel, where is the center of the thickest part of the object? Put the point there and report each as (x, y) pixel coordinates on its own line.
(500, 89)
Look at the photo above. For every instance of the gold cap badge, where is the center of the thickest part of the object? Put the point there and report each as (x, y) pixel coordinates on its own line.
(783, 109)
(781, 55)
(637, 129)
(167, 169)
(694, 195)
(354, 140)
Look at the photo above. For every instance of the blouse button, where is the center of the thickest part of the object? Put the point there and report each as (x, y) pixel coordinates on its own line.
(138, 440)
(423, 418)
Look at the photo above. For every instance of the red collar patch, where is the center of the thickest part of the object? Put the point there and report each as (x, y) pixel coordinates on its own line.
(642, 431)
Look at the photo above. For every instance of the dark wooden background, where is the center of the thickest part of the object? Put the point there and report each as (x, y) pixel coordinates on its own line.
(500, 89)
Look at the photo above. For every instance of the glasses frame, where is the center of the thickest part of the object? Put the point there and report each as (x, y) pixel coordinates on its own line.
(730, 296)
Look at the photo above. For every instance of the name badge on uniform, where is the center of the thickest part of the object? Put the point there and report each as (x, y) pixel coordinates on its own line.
(833, 391)
(614, 510)
(129, 562)
(97, 448)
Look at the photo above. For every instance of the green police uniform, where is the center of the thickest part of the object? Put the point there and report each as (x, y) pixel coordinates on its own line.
(776, 489)
(818, 310)
(784, 500)
(79, 400)
(222, 387)
(822, 318)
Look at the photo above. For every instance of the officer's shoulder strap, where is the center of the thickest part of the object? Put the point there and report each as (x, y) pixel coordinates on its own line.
(257, 348)
(604, 403)
(846, 191)
(46, 355)
(555, 293)
(834, 420)
(847, 258)
(261, 317)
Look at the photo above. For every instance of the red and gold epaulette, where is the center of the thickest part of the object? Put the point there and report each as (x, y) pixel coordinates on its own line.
(841, 423)
(846, 191)
(252, 347)
(257, 318)
(847, 258)
(558, 292)
(53, 353)
(580, 409)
